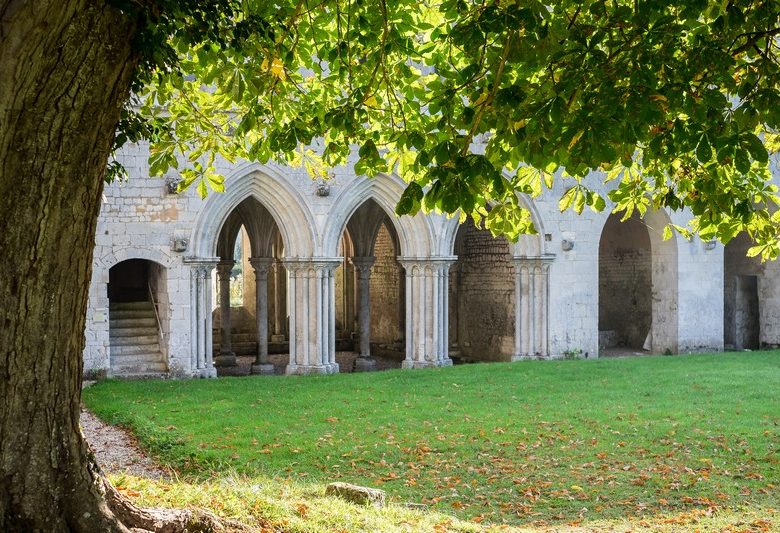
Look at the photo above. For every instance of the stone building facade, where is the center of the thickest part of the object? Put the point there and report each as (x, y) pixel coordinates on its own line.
(280, 263)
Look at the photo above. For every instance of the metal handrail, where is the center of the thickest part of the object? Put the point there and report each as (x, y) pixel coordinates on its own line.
(156, 314)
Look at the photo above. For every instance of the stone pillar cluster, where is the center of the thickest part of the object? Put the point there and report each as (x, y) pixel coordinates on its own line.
(312, 316)
(200, 317)
(427, 295)
(532, 276)
(363, 265)
(262, 265)
(312, 308)
(226, 355)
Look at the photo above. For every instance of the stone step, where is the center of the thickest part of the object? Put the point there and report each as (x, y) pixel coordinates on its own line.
(130, 305)
(133, 332)
(134, 369)
(132, 358)
(131, 349)
(121, 314)
(133, 322)
(124, 340)
(244, 337)
(143, 375)
(239, 349)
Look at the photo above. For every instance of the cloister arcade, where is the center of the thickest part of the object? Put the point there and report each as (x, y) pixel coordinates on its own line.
(319, 270)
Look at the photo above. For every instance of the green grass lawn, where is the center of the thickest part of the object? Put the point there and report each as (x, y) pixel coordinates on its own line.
(670, 439)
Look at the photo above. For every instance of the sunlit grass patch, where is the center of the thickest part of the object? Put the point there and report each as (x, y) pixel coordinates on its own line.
(561, 442)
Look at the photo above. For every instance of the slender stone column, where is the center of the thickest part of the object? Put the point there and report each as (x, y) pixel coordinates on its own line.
(532, 291)
(262, 265)
(278, 335)
(349, 299)
(364, 362)
(427, 284)
(200, 317)
(312, 300)
(226, 355)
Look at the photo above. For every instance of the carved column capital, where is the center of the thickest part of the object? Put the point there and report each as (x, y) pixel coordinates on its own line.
(262, 265)
(541, 261)
(417, 266)
(201, 267)
(301, 266)
(363, 265)
(224, 268)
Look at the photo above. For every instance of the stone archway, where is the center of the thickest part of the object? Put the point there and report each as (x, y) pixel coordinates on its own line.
(638, 285)
(138, 318)
(426, 272)
(515, 277)
(246, 246)
(369, 286)
(309, 277)
(482, 297)
(742, 299)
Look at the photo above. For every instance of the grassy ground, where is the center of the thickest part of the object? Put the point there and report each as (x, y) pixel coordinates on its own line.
(663, 442)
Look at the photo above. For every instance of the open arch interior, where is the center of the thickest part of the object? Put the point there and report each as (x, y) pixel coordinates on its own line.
(482, 297)
(250, 308)
(369, 290)
(637, 285)
(138, 317)
(741, 296)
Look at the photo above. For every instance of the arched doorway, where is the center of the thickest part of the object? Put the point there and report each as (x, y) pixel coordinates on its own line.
(250, 307)
(482, 297)
(741, 296)
(138, 318)
(637, 285)
(369, 288)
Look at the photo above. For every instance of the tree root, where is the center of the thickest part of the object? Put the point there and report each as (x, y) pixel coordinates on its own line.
(140, 520)
(166, 520)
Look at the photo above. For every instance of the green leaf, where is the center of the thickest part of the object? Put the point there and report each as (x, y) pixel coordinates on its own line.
(409, 203)
(756, 148)
(567, 199)
(202, 189)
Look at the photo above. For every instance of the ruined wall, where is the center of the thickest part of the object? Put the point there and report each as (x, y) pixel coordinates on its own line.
(625, 283)
(386, 291)
(741, 301)
(344, 281)
(482, 293)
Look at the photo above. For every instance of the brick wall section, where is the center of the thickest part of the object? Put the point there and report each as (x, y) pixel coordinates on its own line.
(625, 282)
(482, 291)
(386, 291)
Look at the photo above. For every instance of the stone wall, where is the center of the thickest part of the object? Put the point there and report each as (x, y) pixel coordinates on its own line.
(482, 296)
(387, 300)
(625, 283)
(142, 219)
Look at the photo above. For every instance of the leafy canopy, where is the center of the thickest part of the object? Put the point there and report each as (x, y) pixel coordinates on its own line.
(675, 104)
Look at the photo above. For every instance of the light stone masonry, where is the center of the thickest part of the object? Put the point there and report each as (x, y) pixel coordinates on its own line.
(434, 286)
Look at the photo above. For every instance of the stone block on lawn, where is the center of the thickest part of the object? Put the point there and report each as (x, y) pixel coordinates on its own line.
(356, 494)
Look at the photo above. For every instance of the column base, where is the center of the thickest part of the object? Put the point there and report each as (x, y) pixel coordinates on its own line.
(277, 338)
(364, 364)
(331, 368)
(209, 372)
(426, 364)
(529, 357)
(265, 369)
(225, 359)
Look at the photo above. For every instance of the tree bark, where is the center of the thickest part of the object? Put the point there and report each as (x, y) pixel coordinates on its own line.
(65, 70)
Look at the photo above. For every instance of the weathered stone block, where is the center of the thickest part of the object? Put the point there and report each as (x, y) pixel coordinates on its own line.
(356, 494)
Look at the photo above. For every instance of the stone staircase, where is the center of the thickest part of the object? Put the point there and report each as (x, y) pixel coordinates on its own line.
(242, 341)
(135, 346)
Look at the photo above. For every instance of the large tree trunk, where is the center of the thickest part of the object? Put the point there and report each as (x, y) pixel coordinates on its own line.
(65, 70)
